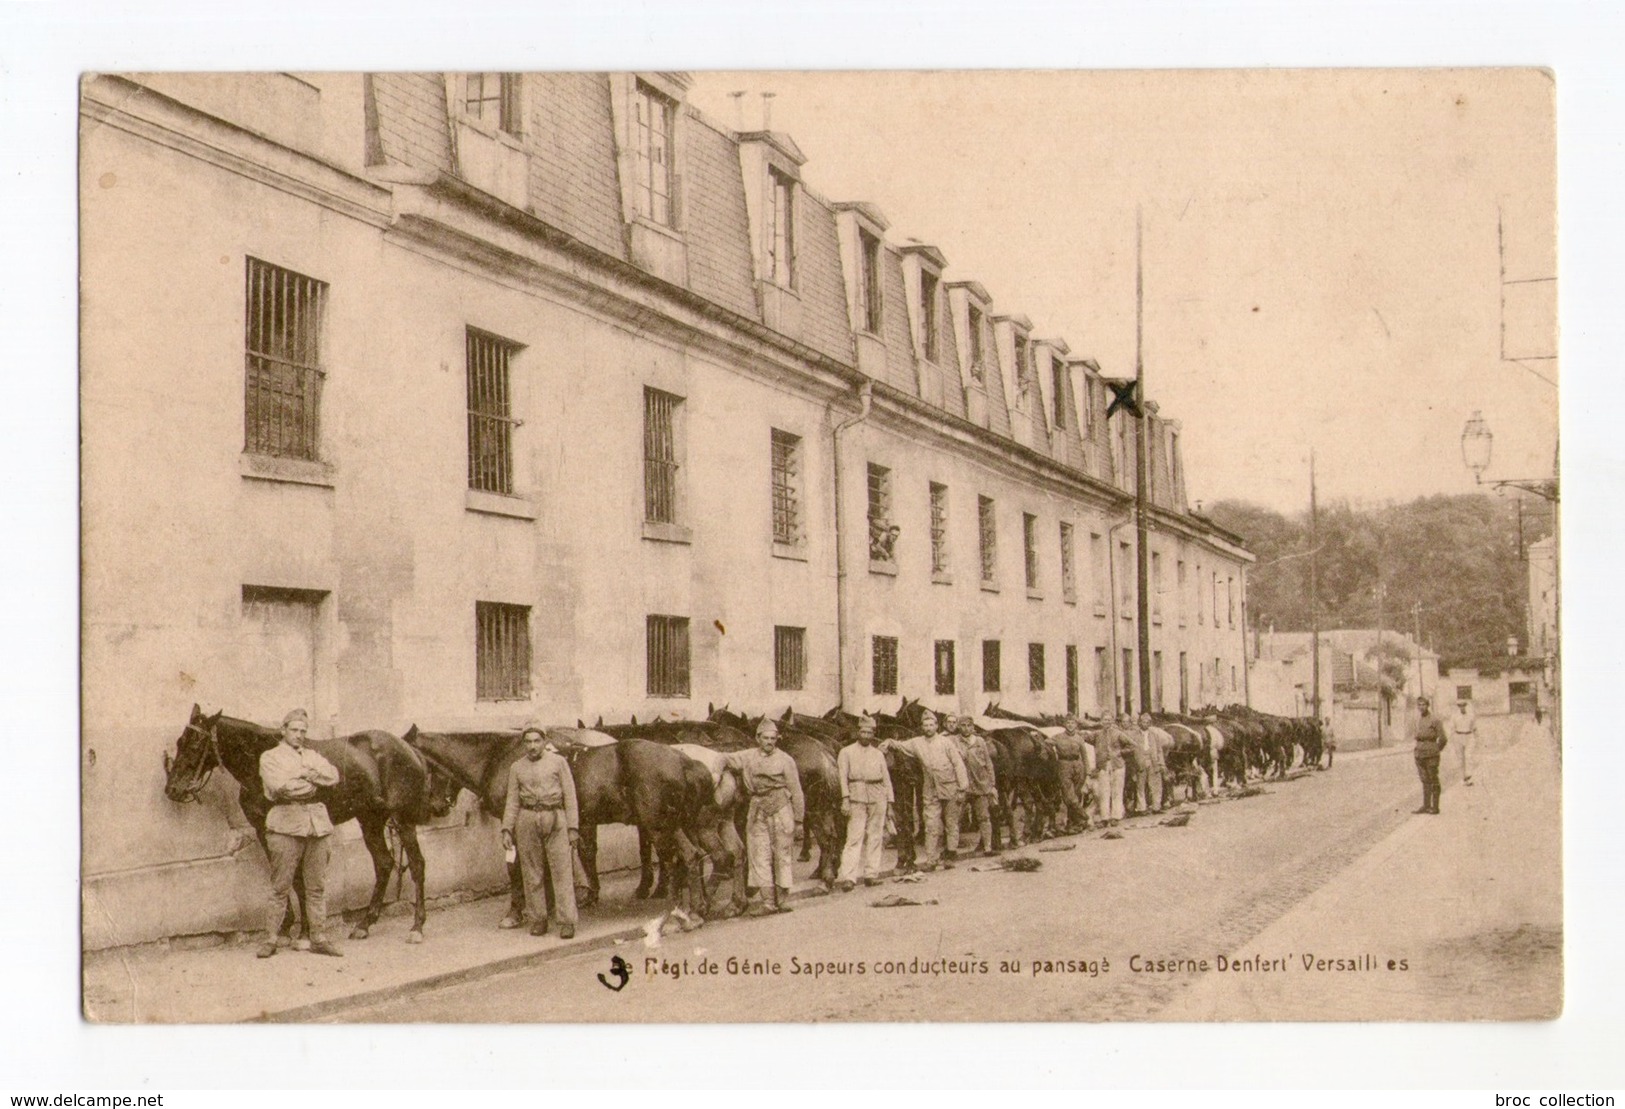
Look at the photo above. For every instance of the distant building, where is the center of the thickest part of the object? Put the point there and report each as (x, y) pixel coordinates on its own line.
(1281, 673)
(457, 399)
(1542, 605)
(1495, 686)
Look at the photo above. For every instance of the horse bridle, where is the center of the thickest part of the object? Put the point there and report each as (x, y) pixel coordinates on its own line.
(213, 735)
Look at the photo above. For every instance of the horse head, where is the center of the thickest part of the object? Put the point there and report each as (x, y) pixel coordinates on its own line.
(197, 754)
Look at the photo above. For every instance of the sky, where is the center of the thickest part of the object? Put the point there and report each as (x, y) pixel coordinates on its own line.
(1319, 253)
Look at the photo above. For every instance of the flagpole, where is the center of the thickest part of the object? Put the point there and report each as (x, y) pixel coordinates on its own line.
(1141, 434)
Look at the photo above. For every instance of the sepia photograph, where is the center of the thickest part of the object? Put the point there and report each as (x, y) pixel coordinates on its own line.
(702, 547)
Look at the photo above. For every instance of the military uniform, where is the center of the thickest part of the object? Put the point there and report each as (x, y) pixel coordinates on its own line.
(866, 790)
(982, 792)
(1109, 747)
(776, 807)
(1157, 745)
(1073, 753)
(297, 830)
(1430, 742)
(540, 814)
(942, 784)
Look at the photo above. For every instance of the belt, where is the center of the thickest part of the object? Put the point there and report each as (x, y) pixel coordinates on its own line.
(869, 781)
(537, 806)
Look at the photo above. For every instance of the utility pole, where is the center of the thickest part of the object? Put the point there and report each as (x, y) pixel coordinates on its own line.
(1416, 612)
(1143, 557)
(1378, 656)
(1314, 582)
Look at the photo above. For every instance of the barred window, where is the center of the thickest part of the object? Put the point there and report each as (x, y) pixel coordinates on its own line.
(990, 666)
(1156, 583)
(929, 284)
(781, 243)
(1057, 370)
(943, 666)
(939, 528)
(283, 378)
(667, 655)
(1069, 570)
(882, 536)
(978, 361)
(990, 539)
(885, 664)
(789, 658)
(652, 186)
(660, 456)
(786, 487)
(869, 296)
(490, 413)
(1029, 541)
(1035, 667)
(501, 652)
(493, 98)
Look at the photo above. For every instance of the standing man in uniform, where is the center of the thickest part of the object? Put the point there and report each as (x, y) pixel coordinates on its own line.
(1137, 759)
(943, 783)
(865, 792)
(541, 819)
(1157, 745)
(1109, 746)
(1328, 739)
(776, 807)
(1430, 742)
(297, 830)
(1464, 730)
(983, 789)
(1073, 766)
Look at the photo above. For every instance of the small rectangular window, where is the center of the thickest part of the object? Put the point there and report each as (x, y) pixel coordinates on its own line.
(660, 456)
(929, 283)
(1035, 667)
(1029, 543)
(1024, 368)
(1230, 599)
(990, 666)
(939, 528)
(885, 664)
(978, 361)
(1464, 693)
(782, 233)
(1156, 583)
(988, 527)
(1125, 576)
(1069, 574)
(654, 118)
(493, 98)
(943, 667)
(490, 412)
(787, 522)
(1058, 388)
(283, 379)
(869, 295)
(789, 658)
(1088, 407)
(501, 652)
(1097, 558)
(666, 655)
(882, 532)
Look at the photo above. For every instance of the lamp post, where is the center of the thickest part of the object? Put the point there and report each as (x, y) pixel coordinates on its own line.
(1477, 443)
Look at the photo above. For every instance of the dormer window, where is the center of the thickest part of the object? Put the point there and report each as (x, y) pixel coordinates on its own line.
(1024, 366)
(652, 149)
(930, 284)
(869, 298)
(1058, 389)
(978, 363)
(493, 99)
(782, 229)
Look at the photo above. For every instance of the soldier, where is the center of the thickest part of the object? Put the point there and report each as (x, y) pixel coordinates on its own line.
(297, 830)
(776, 807)
(542, 821)
(943, 782)
(983, 790)
(1430, 743)
(866, 790)
(1109, 747)
(1075, 756)
(1157, 745)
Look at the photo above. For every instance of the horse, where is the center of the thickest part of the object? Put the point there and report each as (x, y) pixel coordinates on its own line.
(823, 823)
(669, 798)
(382, 781)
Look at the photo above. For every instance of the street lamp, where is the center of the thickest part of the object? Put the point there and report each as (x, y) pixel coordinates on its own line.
(1477, 442)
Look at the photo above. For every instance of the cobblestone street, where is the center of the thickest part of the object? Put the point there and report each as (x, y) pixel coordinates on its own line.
(1073, 940)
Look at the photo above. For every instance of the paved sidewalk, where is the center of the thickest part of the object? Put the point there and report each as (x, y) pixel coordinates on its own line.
(1470, 901)
(225, 983)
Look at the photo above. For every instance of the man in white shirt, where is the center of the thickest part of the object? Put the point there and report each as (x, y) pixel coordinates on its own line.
(866, 790)
(296, 831)
(1464, 730)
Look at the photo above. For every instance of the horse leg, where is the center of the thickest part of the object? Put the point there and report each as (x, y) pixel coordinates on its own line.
(589, 864)
(372, 834)
(646, 869)
(414, 864)
(688, 879)
(516, 896)
(734, 849)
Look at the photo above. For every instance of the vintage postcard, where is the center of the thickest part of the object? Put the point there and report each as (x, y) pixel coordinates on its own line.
(927, 546)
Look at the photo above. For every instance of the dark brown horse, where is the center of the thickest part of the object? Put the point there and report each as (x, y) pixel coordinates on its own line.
(383, 782)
